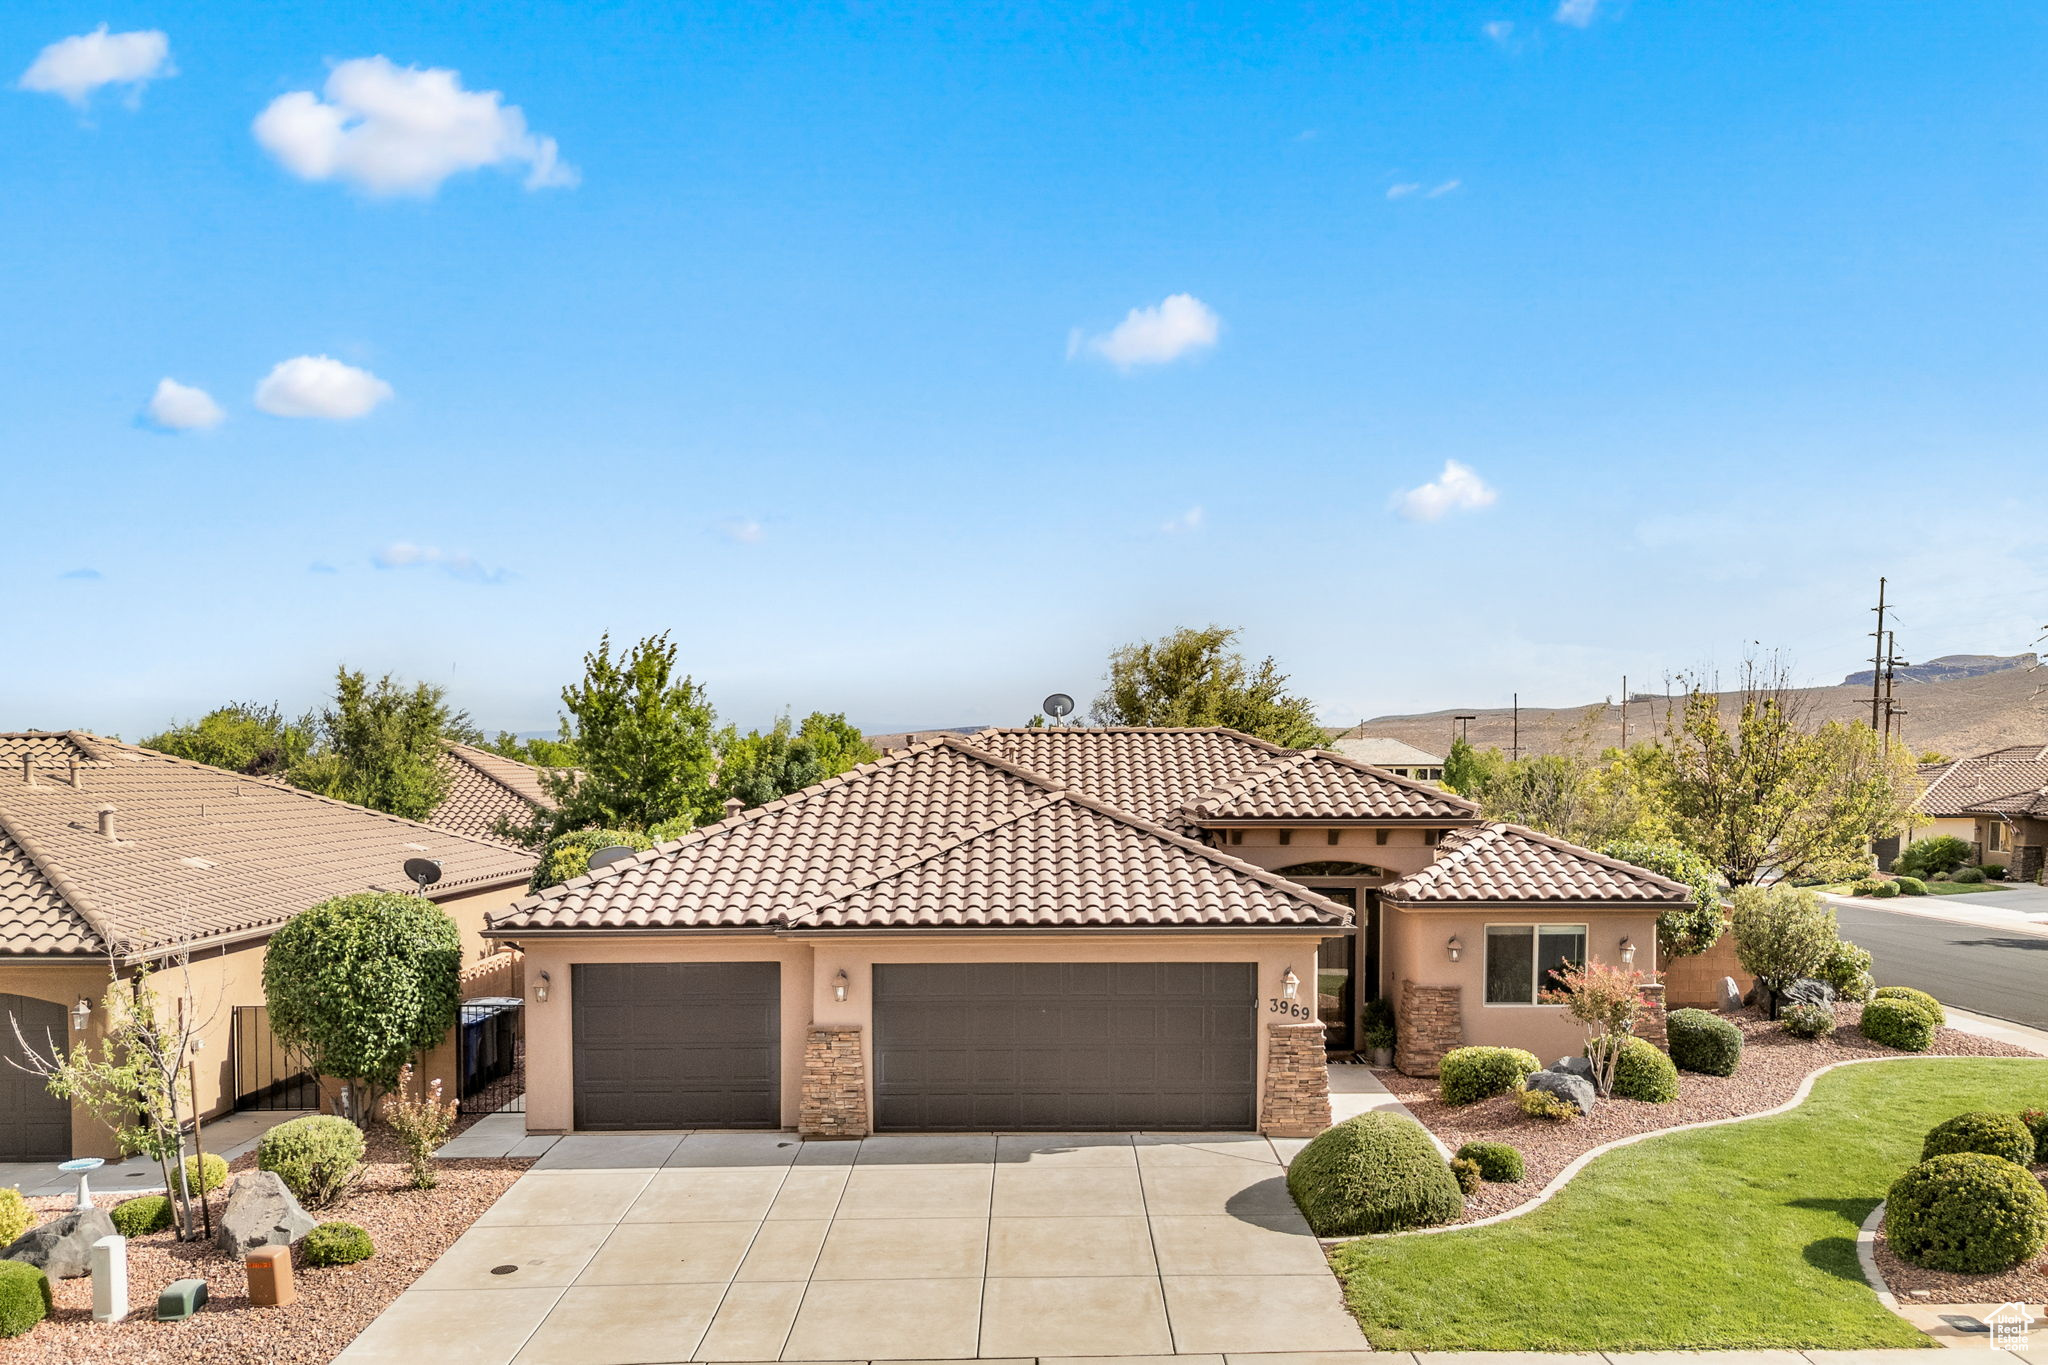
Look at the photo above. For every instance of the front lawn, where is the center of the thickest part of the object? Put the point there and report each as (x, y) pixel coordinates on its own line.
(1933, 889)
(1741, 1236)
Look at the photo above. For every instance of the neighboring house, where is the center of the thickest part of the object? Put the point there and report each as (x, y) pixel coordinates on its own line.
(1055, 929)
(1396, 756)
(1996, 803)
(487, 792)
(114, 857)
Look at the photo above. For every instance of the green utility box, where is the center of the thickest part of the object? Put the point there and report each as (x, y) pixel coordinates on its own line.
(180, 1300)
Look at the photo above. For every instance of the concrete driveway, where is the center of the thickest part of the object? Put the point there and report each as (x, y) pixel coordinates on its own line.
(760, 1247)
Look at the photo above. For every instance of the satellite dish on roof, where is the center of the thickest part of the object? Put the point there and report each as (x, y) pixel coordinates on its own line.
(605, 857)
(422, 872)
(1058, 705)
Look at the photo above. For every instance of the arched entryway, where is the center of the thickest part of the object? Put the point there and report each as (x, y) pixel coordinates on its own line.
(1348, 965)
(34, 1124)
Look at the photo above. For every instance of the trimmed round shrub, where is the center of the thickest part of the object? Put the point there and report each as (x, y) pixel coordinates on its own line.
(1868, 886)
(1968, 1213)
(336, 1244)
(24, 1297)
(1377, 1172)
(1467, 1074)
(2037, 1124)
(15, 1215)
(1497, 1162)
(1910, 886)
(1703, 1042)
(1467, 1174)
(142, 1215)
(2005, 1136)
(1970, 875)
(209, 1177)
(1807, 1021)
(1847, 969)
(1643, 1072)
(1920, 1000)
(317, 1157)
(1898, 1023)
(1886, 890)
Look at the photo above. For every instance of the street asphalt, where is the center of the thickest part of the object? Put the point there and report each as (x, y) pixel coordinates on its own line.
(1999, 972)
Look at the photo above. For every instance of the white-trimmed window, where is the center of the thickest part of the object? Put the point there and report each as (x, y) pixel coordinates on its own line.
(1522, 960)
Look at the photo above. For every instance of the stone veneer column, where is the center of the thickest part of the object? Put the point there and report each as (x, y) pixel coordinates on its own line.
(1428, 1022)
(1297, 1100)
(835, 1091)
(1650, 1023)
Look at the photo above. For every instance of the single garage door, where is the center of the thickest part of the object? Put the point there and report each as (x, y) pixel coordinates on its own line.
(1064, 1046)
(34, 1124)
(677, 1044)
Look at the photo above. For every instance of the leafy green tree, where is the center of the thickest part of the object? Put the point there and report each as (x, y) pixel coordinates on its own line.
(1681, 931)
(242, 737)
(380, 745)
(357, 984)
(1194, 677)
(567, 856)
(643, 736)
(538, 751)
(1782, 933)
(1574, 796)
(757, 767)
(1468, 771)
(839, 744)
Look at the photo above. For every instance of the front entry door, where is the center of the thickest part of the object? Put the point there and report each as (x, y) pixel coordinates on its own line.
(1337, 977)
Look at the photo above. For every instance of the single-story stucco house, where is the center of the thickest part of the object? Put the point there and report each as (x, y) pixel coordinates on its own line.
(1055, 929)
(1995, 802)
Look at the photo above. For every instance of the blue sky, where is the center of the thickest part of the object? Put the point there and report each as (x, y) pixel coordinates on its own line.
(801, 331)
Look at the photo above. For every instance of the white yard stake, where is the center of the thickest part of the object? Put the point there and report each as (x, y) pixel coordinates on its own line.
(110, 1279)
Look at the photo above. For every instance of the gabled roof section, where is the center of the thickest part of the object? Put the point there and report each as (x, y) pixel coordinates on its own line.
(2032, 803)
(1503, 864)
(941, 835)
(1965, 786)
(485, 788)
(198, 853)
(1150, 772)
(1384, 751)
(1318, 785)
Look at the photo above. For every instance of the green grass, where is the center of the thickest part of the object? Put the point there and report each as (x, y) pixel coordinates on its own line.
(1742, 1236)
(1933, 889)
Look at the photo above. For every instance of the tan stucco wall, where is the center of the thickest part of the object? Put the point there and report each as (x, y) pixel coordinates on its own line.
(1404, 851)
(468, 910)
(1416, 946)
(809, 967)
(1963, 827)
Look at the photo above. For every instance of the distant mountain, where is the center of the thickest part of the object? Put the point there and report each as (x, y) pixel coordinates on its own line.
(1948, 668)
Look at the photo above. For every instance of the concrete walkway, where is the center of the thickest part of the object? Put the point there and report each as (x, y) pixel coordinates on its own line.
(227, 1137)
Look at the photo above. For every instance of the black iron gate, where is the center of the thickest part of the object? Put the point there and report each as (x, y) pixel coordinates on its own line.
(267, 1076)
(490, 1045)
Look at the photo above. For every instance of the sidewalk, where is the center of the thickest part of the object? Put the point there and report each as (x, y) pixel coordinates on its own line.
(2021, 908)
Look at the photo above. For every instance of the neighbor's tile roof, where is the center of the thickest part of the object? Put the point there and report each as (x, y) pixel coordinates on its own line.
(2033, 802)
(1968, 784)
(941, 835)
(1502, 863)
(484, 788)
(1385, 751)
(1317, 785)
(198, 853)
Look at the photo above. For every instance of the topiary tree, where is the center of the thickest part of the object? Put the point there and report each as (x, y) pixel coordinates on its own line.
(359, 983)
(1925, 857)
(1782, 933)
(1378, 1172)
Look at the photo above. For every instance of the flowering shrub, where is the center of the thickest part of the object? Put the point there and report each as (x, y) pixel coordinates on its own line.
(422, 1122)
(1607, 1000)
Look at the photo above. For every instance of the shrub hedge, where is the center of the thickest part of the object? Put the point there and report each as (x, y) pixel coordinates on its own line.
(1910, 886)
(15, 1215)
(336, 1244)
(1467, 1074)
(1497, 1161)
(317, 1157)
(1703, 1042)
(24, 1297)
(1377, 1172)
(1643, 1072)
(2005, 1136)
(1966, 1212)
(142, 1215)
(1993, 871)
(1866, 886)
(1926, 1003)
(1886, 890)
(1898, 1023)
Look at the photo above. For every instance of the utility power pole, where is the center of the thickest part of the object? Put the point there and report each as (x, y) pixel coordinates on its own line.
(1624, 712)
(1877, 662)
(1518, 727)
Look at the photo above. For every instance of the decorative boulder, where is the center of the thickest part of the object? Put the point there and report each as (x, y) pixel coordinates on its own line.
(1731, 995)
(1582, 1067)
(261, 1212)
(1563, 1084)
(1807, 991)
(62, 1248)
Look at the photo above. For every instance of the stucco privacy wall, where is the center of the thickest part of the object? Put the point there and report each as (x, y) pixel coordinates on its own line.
(811, 965)
(1415, 945)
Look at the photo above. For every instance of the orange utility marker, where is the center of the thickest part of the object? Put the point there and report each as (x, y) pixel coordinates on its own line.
(270, 1277)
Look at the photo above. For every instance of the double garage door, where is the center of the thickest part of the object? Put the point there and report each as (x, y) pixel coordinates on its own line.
(1050, 1046)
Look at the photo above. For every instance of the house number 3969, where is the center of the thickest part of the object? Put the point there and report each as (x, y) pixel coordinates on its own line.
(1293, 1008)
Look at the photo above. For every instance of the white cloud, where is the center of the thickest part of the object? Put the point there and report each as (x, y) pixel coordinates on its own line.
(1190, 520)
(403, 130)
(403, 554)
(320, 386)
(1457, 489)
(1408, 188)
(74, 67)
(1181, 323)
(1577, 13)
(181, 407)
(1500, 30)
(1403, 190)
(1441, 190)
(742, 530)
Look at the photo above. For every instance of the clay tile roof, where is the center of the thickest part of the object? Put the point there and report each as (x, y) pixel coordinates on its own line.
(2033, 803)
(483, 788)
(1508, 864)
(1969, 784)
(1318, 785)
(939, 835)
(1385, 751)
(198, 853)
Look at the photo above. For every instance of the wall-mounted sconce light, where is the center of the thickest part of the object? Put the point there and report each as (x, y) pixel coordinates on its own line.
(840, 985)
(1290, 984)
(540, 989)
(1628, 953)
(81, 1015)
(1455, 948)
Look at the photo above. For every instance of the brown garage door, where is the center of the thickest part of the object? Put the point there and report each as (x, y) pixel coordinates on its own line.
(34, 1124)
(1064, 1046)
(676, 1044)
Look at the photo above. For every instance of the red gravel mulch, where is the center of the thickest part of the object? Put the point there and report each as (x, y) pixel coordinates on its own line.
(1773, 1064)
(411, 1228)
